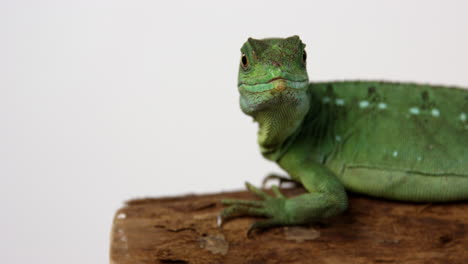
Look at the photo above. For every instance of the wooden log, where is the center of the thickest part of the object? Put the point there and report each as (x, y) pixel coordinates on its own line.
(184, 230)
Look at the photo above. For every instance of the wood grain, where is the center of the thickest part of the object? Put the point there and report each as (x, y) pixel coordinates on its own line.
(183, 230)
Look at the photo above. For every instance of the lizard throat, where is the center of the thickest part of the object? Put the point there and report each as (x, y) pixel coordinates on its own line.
(278, 125)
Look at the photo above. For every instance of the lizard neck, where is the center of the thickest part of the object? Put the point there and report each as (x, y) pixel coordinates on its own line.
(278, 125)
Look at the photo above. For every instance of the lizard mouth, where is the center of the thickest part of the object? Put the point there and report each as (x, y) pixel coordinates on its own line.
(277, 83)
(277, 78)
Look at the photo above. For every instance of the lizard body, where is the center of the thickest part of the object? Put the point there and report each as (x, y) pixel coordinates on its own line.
(394, 140)
(401, 141)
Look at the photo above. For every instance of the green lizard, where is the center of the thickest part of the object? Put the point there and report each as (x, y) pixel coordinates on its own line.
(400, 141)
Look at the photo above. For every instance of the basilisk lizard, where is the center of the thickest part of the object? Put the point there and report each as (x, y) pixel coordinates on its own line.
(400, 141)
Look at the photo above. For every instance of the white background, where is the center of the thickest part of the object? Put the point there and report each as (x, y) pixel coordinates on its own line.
(103, 101)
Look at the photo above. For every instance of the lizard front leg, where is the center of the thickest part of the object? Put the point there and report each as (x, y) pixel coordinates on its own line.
(326, 197)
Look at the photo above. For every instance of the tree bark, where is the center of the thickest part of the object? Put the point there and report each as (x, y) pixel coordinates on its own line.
(184, 230)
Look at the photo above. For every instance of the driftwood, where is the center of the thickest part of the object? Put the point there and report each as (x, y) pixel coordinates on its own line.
(184, 230)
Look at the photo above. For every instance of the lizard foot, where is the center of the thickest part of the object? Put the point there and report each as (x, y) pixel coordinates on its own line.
(271, 207)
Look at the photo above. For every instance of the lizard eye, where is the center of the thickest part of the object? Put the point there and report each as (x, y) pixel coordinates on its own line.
(304, 56)
(244, 61)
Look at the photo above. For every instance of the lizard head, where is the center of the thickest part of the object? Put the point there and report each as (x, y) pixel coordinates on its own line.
(272, 71)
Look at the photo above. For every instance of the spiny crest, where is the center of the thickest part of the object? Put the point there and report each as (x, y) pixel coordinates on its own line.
(281, 49)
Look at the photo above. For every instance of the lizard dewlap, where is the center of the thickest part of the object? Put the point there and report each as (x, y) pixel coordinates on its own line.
(400, 141)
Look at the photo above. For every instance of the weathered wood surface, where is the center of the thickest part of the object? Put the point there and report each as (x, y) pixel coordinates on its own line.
(184, 230)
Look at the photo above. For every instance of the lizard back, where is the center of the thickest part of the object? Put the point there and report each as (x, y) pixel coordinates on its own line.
(396, 140)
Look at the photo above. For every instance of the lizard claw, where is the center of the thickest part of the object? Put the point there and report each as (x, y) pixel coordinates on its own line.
(269, 206)
(263, 225)
(219, 221)
(281, 179)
